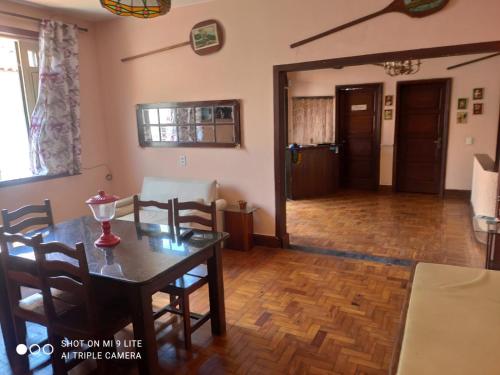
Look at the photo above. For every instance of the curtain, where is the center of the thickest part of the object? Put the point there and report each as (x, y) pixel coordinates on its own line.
(55, 123)
(311, 120)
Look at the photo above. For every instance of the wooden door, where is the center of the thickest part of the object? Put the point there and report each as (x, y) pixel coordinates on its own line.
(421, 135)
(358, 133)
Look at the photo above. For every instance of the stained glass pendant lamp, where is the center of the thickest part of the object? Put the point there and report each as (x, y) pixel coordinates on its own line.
(137, 8)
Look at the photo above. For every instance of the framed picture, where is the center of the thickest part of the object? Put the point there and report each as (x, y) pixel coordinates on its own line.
(205, 36)
(478, 94)
(462, 103)
(462, 117)
(388, 114)
(478, 109)
(389, 100)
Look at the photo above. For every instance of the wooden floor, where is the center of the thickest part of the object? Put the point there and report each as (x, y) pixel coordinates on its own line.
(410, 226)
(292, 312)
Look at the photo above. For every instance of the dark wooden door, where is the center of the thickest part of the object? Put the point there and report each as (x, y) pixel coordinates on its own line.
(421, 135)
(358, 133)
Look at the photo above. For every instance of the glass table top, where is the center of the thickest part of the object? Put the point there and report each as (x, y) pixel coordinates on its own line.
(145, 250)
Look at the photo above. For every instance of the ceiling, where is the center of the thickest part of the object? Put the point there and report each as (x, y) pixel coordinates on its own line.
(89, 9)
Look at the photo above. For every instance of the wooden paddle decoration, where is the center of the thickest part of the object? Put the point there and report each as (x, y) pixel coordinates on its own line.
(473, 61)
(412, 8)
(205, 38)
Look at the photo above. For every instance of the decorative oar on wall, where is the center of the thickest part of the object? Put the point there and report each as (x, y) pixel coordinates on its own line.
(412, 8)
(474, 61)
(205, 38)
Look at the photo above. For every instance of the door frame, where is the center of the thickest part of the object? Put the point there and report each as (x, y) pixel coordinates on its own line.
(379, 92)
(446, 127)
(281, 237)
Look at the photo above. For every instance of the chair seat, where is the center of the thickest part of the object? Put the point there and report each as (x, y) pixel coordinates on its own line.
(110, 319)
(32, 307)
(186, 283)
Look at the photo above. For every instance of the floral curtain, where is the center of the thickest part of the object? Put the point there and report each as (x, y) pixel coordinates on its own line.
(55, 123)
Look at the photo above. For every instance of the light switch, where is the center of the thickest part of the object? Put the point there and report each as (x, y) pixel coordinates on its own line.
(469, 141)
(182, 160)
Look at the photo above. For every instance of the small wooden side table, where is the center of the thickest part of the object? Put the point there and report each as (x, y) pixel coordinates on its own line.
(239, 224)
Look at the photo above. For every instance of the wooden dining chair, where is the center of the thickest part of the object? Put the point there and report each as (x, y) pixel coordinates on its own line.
(138, 204)
(30, 308)
(26, 217)
(182, 288)
(63, 268)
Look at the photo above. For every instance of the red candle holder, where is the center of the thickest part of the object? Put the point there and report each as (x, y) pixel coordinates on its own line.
(103, 207)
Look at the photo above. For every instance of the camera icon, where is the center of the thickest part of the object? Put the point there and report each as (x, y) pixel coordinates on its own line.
(23, 349)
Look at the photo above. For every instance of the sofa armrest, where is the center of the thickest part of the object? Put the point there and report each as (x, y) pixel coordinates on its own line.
(220, 204)
(124, 206)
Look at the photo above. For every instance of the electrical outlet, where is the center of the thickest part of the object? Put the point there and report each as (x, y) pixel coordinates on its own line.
(182, 160)
(469, 141)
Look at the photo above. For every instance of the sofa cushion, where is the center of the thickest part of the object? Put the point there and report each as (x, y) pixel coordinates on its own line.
(162, 189)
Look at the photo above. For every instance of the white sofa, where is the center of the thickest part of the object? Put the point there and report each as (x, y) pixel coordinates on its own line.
(162, 189)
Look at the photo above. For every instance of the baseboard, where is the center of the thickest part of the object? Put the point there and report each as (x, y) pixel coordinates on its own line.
(460, 194)
(266, 241)
(386, 189)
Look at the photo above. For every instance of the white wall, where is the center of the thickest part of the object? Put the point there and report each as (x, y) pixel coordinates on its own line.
(484, 190)
(483, 128)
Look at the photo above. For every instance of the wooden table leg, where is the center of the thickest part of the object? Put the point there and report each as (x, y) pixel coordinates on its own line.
(144, 330)
(19, 364)
(216, 292)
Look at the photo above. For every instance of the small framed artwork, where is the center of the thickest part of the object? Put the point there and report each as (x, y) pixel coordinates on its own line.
(478, 94)
(389, 100)
(207, 37)
(478, 109)
(388, 114)
(462, 117)
(462, 103)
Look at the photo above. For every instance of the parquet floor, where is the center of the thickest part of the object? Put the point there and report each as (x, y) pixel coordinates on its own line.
(410, 226)
(291, 312)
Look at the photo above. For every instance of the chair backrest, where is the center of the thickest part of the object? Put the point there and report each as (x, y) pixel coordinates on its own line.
(210, 222)
(63, 268)
(17, 222)
(14, 275)
(163, 206)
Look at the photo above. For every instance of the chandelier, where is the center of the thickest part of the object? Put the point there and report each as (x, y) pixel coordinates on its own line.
(403, 67)
(137, 8)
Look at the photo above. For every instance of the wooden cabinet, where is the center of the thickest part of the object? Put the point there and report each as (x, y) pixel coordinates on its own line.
(315, 174)
(239, 224)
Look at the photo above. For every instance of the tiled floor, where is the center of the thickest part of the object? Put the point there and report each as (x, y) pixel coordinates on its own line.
(410, 226)
(291, 312)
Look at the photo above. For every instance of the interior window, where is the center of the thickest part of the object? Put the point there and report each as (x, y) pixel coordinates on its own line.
(18, 94)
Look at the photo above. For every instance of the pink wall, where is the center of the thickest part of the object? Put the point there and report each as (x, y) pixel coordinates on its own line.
(258, 35)
(68, 194)
(482, 128)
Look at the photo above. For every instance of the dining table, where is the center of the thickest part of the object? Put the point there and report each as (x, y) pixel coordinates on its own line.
(149, 257)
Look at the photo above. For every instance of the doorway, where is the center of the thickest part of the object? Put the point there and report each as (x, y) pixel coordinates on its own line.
(421, 136)
(358, 123)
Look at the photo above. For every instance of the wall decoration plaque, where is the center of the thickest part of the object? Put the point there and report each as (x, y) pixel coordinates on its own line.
(189, 124)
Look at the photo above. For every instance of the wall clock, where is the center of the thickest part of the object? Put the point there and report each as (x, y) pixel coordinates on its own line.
(412, 8)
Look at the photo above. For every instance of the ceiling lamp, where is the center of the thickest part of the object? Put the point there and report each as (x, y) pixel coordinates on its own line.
(403, 67)
(137, 8)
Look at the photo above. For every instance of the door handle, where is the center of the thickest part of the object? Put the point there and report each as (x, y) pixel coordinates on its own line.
(437, 142)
